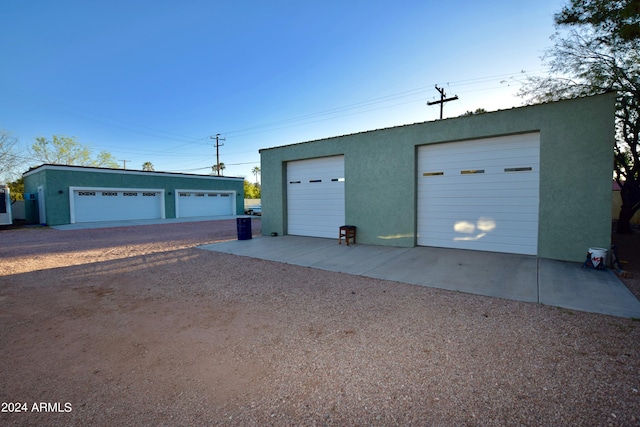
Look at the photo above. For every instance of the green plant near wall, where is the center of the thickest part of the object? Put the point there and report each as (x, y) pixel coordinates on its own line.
(251, 191)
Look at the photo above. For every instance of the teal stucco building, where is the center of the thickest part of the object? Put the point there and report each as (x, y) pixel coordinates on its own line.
(57, 195)
(533, 180)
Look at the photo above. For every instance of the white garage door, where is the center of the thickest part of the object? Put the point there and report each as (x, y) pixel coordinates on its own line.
(480, 194)
(113, 204)
(315, 197)
(193, 203)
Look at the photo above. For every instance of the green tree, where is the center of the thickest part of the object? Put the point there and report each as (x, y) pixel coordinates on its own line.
(214, 169)
(597, 51)
(620, 18)
(16, 189)
(251, 191)
(64, 150)
(473, 113)
(147, 166)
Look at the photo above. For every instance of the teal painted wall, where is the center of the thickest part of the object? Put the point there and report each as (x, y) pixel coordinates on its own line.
(576, 156)
(57, 180)
(31, 186)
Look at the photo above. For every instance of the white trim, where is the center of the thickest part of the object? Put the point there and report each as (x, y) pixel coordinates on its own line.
(5, 218)
(177, 192)
(72, 190)
(91, 169)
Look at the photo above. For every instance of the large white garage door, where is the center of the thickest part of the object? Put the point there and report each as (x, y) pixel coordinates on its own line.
(480, 194)
(193, 203)
(113, 204)
(315, 197)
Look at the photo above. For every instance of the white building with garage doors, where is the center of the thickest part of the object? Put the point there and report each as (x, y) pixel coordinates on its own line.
(534, 180)
(56, 195)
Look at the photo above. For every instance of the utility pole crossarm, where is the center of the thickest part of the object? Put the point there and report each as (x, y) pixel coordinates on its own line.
(453, 98)
(442, 100)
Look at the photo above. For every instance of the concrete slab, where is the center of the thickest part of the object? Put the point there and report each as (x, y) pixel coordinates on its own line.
(354, 259)
(568, 285)
(484, 273)
(516, 277)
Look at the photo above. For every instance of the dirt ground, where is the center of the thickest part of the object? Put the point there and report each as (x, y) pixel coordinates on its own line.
(135, 326)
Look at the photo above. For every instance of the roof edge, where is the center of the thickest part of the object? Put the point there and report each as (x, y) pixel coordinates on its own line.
(95, 169)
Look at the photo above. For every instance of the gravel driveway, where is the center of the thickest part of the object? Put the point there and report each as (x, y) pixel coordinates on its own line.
(134, 326)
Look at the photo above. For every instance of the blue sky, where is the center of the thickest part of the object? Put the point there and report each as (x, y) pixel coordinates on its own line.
(153, 80)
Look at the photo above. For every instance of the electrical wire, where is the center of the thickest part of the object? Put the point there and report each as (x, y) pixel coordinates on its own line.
(416, 95)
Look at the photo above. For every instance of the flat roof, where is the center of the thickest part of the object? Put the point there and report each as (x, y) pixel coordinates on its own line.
(74, 168)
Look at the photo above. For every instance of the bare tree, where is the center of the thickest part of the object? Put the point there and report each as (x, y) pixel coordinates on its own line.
(10, 158)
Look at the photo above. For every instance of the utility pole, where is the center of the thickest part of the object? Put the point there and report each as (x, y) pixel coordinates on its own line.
(442, 100)
(218, 145)
(125, 163)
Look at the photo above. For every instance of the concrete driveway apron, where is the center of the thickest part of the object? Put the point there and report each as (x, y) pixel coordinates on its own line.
(517, 277)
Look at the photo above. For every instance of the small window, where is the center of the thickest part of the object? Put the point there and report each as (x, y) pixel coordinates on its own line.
(185, 194)
(109, 193)
(471, 171)
(129, 194)
(294, 182)
(224, 195)
(149, 194)
(86, 193)
(337, 179)
(199, 194)
(315, 180)
(3, 201)
(432, 173)
(521, 169)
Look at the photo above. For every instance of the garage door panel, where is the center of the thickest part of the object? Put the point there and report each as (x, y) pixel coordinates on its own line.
(458, 228)
(315, 196)
(111, 204)
(457, 178)
(478, 245)
(309, 193)
(452, 167)
(481, 194)
(503, 216)
(198, 203)
(503, 192)
(477, 240)
(481, 204)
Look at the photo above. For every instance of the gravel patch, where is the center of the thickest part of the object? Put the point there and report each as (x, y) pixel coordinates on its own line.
(134, 326)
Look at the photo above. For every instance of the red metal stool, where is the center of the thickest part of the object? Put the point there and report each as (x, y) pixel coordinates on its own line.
(348, 232)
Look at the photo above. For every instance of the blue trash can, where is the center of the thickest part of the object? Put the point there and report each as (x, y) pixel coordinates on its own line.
(244, 228)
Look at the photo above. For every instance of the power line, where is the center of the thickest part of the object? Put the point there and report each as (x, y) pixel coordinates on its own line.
(304, 119)
(383, 102)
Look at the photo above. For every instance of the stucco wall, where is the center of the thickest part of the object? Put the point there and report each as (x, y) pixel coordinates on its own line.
(57, 181)
(577, 137)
